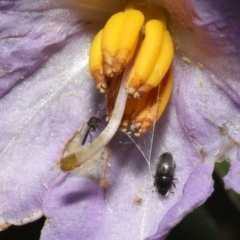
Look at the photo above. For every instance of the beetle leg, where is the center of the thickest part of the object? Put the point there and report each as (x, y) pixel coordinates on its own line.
(177, 178)
(166, 195)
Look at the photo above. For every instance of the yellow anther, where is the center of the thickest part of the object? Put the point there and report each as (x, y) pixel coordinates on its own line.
(120, 36)
(161, 66)
(112, 50)
(151, 106)
(147, 55)
(133, 107)
(110, 39)
(129, 109)
(96, 63)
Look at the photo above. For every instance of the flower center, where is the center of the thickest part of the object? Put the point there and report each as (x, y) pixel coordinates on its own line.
(122, 66)
(113, 48)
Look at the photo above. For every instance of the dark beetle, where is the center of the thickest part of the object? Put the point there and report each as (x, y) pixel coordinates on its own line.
(164, 173)
(92, 126)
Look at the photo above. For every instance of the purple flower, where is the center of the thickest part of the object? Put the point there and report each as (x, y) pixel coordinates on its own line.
(47, 93)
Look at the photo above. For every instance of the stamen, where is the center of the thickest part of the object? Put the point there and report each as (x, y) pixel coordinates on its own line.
(143, 36)
(76, 159)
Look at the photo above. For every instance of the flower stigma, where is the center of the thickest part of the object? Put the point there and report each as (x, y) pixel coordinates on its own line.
(130, 60)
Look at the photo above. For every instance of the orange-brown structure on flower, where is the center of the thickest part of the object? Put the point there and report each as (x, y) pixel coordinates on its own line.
(128, 36)
(130, 61)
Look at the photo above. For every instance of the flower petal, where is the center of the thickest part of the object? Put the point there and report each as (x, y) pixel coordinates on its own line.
(42, 112)
(30, 33)
(195, 129)
(212, 32)
(192, 130)
(129, 208)
(73, 205)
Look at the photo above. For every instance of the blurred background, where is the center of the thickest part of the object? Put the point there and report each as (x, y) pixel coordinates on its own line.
(217, 219)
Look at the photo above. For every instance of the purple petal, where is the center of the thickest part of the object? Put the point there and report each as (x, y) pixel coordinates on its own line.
(40, 114)
(30, 33)
(192, 129)
(195, 129)
(123, 215)
(232, 179)
(67, 204)
(218, 52)
(197, 185)
(128, 208)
